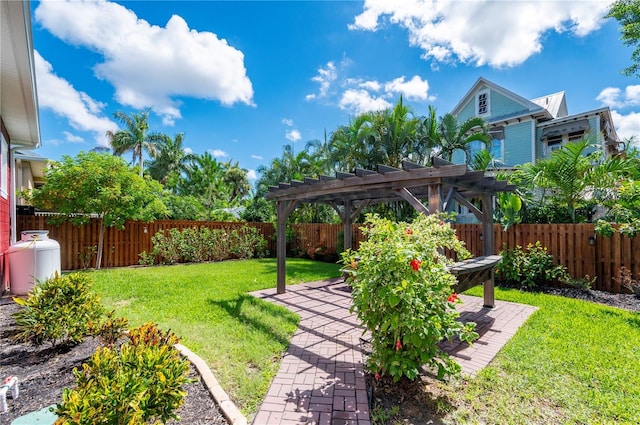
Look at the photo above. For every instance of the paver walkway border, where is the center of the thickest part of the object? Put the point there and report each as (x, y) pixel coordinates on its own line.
(321, 379)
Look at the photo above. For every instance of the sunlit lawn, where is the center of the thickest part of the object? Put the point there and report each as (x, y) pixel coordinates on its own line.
(572, 362)
(207, 306)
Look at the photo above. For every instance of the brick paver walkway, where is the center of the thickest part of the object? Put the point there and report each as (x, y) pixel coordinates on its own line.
(321, 379)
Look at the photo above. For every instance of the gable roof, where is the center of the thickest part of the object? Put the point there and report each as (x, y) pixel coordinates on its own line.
(529, 106)
(555, 103)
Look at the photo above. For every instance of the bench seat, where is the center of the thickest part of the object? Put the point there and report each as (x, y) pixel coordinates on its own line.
(475, 271)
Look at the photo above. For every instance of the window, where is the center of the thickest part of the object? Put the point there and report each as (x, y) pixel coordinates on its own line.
(576, 136)
(497, 149)
(553, 143)
(482, 103)
(4, 168)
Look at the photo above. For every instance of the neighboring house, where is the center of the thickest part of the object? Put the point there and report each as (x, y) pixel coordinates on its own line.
(527, 130)
(19, 123)
(29, 174)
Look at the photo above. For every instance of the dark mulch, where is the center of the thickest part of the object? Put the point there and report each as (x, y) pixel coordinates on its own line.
(420, 402)
(44, 371)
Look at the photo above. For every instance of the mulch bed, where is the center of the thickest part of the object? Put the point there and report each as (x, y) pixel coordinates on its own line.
(44, 371)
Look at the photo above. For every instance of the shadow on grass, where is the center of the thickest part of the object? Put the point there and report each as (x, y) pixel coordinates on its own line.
(300, 267)
(237, 309)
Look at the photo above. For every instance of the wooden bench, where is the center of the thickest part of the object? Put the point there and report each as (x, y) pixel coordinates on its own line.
(475, 271)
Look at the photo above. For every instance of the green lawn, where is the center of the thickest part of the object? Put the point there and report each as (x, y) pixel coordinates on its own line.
(572, 362)
(241, 338)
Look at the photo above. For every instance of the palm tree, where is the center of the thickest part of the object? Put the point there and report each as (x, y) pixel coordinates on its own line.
(134, 137)
(170, 160)
(454, 135)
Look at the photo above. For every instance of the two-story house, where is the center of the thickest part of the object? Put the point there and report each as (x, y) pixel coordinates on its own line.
(527, 130)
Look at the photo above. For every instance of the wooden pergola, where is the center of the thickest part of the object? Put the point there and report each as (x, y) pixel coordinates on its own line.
(349, 193)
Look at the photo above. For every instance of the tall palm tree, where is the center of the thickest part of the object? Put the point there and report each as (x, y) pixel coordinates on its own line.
(169, 161)
(135, 137)
(455, 135)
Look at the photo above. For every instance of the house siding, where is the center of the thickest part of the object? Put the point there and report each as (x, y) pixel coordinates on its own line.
(517, 146)
(502, 105)
(539, 144)
(469, 111)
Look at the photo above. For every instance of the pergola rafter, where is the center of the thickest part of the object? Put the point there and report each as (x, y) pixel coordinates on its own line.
(350, 193)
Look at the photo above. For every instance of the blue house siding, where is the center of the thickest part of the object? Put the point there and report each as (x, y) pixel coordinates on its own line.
(469, 111)
(539, 144)
(517, 145)
(502, 105)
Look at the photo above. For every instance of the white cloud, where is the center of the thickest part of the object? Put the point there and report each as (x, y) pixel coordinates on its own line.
(627, 125)
(326, 76)
(498, 33)
(615, 98)
(188, 151)
(148, 64)
(81, 111)
(287, 121)
(218, 153)
(359, 101)
(371, 85)
(414, 89)
(252, 175)
(293, 135)
(258, 157)
(73, 138)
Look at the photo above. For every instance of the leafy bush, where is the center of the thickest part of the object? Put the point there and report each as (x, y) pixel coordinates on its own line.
(140, 382)
(530, 267)
(626, 280)
(58, 310)
(111, 329)
(402, 293)
(199, 244)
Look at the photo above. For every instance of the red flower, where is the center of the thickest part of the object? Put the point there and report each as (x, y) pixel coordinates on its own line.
(398, 345)
(452, 298)
(409, 232)
(377, 376)
(415, 264)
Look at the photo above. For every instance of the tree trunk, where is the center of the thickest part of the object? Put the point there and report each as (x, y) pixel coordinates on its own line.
(100, 244)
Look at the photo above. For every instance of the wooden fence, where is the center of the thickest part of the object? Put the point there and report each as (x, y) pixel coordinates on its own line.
(572, 245)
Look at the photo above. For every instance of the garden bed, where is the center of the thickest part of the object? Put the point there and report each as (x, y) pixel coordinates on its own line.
(44, 371)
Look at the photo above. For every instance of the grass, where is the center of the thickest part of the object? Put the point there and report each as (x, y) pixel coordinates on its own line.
(572, 362)
(207, 306)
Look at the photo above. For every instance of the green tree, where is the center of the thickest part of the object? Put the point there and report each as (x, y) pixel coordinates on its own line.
(236, 182)
(627, 13)
(169, 161)
(135, 137)
(571, 176)
(453, 135)
(101, 185)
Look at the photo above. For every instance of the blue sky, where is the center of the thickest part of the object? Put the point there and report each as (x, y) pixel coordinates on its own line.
(243, 78)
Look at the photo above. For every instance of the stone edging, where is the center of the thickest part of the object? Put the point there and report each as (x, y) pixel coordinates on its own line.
(229, 409)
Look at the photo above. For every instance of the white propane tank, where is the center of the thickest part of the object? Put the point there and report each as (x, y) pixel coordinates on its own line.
(34, 259)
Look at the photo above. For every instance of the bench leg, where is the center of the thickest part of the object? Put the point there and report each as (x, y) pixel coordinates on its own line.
(489, 298)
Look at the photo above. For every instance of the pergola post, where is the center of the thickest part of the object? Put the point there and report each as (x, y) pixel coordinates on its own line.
(346, 225)
(487, 246)
(283, 210)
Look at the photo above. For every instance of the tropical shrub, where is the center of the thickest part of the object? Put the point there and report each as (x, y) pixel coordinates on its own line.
(626, 280)
(199, 244)
(140, 382)
(58, 310)
(403, 294)
(529, 267)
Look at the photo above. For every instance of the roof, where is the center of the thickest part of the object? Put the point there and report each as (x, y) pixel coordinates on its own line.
(555, 103)
(531, 107)
(388, 184)
(18, 98)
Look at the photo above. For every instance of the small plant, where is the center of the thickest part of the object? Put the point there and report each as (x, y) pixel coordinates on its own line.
(138, 383)
(584, 283)
(58, 310)
(110, 330)
(382, 416)
(530, 267)
(604, 228)
(626, 280)
(402, 293)
(146, 259)
(86, 256)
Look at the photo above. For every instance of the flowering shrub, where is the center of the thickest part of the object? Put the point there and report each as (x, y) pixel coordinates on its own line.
(402, 293)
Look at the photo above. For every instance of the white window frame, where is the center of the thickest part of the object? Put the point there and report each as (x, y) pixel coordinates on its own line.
(487, 93)
(4, 168)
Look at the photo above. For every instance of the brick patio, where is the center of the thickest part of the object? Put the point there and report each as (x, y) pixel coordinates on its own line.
(321, 379)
